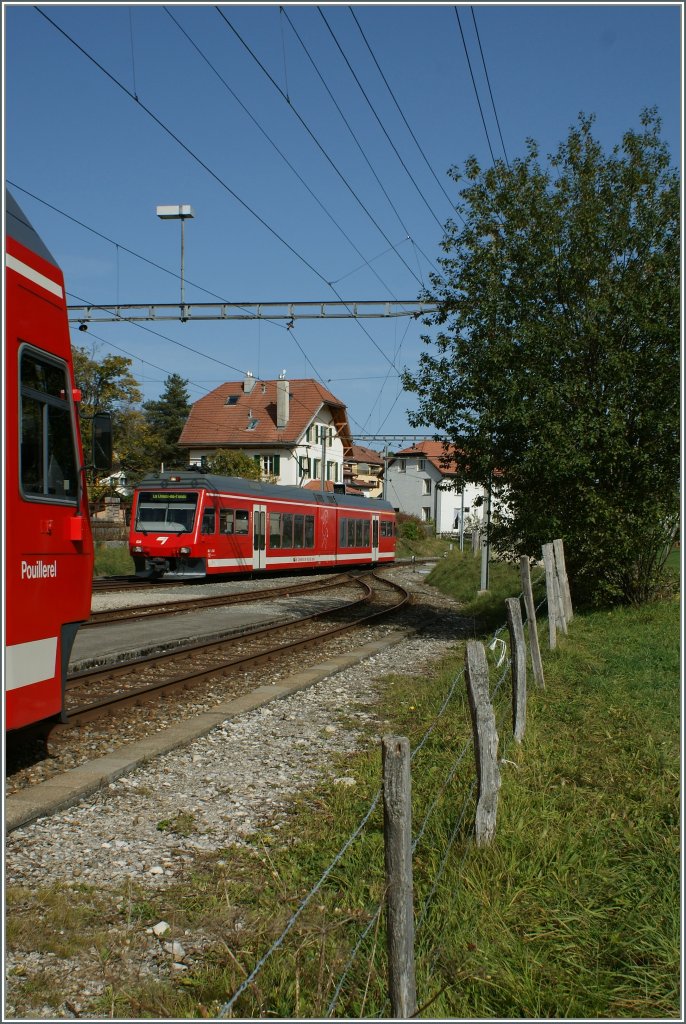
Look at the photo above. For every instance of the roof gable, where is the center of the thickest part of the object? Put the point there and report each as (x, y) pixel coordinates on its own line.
(231, 417)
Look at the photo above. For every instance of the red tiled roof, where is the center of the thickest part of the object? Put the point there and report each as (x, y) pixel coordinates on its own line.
(362, 454)
(213, 423)
(435, 451)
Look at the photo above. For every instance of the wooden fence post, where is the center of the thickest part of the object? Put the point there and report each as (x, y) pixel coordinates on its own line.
(549, 563)
(395, 753)
(559, 605)
(518, 661)
(536, 663)
(559, 551)
(485, 742)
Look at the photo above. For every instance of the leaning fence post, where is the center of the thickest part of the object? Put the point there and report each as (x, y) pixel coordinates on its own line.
(536, 663)
(485, 742)
(549, 563)
(518, 659)
(559, 551)
(395, 753)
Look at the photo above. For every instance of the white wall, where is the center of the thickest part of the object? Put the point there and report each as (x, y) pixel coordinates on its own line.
(406, 492)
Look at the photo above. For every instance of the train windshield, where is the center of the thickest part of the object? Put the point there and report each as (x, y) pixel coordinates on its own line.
(166, 511)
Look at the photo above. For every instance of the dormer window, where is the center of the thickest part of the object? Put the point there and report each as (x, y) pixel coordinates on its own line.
(252, 424)
(231, 400)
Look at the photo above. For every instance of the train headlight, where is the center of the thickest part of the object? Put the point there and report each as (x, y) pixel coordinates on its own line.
(184, 551)
(137, 549)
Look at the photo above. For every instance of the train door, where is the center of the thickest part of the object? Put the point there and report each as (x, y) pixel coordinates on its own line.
(375, 538)
(259, 529)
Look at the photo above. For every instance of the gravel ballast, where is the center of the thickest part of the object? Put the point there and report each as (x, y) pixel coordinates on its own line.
(238, 778)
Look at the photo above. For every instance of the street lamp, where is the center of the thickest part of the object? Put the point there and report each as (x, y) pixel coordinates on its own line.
(182, 213)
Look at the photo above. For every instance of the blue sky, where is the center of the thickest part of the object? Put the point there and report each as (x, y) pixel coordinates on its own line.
(76, 140)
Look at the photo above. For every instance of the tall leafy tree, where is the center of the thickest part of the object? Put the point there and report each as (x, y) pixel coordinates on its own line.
(166, 417)
(107, 385)
(227, 462)
(555, 369)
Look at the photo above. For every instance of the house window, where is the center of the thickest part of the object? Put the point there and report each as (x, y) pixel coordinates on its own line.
(317, 469)
(426, 486)
(421, 464)
(332, 471)
(270, 464)
(305, 466)
(401, 465)
(231, 400)
(426, 514)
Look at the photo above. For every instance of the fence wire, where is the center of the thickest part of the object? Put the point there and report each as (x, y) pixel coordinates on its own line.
(378, 908)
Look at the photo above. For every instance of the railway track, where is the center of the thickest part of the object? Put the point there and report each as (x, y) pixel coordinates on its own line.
(89, 694)
(216, 601)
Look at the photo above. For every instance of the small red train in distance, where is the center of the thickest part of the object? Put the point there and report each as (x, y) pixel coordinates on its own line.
(194, 524)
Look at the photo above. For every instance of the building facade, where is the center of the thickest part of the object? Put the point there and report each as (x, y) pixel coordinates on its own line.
(420, 481)
(297, 430)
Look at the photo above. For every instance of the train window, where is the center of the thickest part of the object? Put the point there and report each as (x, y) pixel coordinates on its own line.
(298, 531)
(287, 534)
(365, 533)
(226, 520)
(309, 531)
(242, 520)
(48, 444)
(166, 511)
(209, 521)
(274, 529)
(342, 532)
(358, 533)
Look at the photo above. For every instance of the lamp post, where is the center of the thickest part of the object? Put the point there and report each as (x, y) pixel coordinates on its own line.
(182, 213)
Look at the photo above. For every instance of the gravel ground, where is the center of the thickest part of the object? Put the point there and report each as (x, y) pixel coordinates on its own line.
(237, 779)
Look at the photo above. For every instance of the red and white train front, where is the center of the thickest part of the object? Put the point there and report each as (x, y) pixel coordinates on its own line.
(48, 545)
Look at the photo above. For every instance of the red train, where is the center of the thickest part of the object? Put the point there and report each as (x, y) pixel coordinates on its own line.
(193, 524)
(48, 544)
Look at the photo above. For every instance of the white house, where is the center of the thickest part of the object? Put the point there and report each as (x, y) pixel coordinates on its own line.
(297, 430)
(421, 482)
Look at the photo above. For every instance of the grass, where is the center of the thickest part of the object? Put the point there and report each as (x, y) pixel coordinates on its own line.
(572, 912)
(113, 561)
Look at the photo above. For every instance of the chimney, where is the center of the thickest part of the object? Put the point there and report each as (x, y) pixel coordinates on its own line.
(249, 382)
(282, 404)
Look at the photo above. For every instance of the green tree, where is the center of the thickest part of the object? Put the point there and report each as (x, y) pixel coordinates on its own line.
(106, 385)
(225, 462)
(166, 417)
(557, 363)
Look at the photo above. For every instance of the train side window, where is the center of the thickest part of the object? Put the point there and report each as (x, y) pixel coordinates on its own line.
(309, 531)
(242, 520)
(226, 520)
(209, 521)
(48, 466)
(365, 533)
(287, 530)
(274, 529)
(298, 531)
(342, 532)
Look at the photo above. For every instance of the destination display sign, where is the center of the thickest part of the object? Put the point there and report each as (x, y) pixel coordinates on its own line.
(168, 496)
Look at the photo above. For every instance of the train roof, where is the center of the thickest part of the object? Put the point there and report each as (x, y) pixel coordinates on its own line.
(19, 227)
(258, 489)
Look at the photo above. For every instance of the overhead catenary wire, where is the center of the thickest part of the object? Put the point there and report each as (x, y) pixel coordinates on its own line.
(316, 141)
(490, 91)
(280, 152)
(216, 177)
(380, 122)
(400, 111)
(476, 91)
